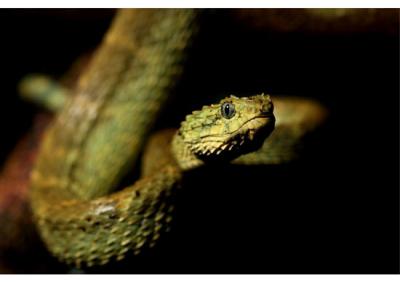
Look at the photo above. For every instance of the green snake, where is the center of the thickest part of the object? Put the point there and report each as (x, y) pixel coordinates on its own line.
(102, 128)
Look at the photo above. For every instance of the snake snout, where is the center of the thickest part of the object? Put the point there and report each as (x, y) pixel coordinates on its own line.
(267, 107)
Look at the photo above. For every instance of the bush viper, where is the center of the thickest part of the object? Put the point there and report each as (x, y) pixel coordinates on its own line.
(103, 126)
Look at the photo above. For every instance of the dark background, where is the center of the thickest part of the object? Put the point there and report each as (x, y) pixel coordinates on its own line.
(333, 211)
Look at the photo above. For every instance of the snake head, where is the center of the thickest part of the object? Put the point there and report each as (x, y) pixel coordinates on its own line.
(232, 127)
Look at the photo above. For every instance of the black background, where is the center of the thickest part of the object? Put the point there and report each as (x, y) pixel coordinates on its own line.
(333, 211)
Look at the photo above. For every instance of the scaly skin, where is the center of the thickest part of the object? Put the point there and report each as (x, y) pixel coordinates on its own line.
(93, 231)
(99, 134)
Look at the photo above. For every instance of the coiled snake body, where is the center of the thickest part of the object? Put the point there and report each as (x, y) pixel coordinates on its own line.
(100, 131)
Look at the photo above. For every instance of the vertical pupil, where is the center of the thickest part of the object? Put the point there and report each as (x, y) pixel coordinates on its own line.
(227, 110)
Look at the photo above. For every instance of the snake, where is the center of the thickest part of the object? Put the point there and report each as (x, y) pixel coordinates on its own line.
(101, 129)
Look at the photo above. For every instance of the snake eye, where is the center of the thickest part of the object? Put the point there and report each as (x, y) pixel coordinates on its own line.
(227, 110)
